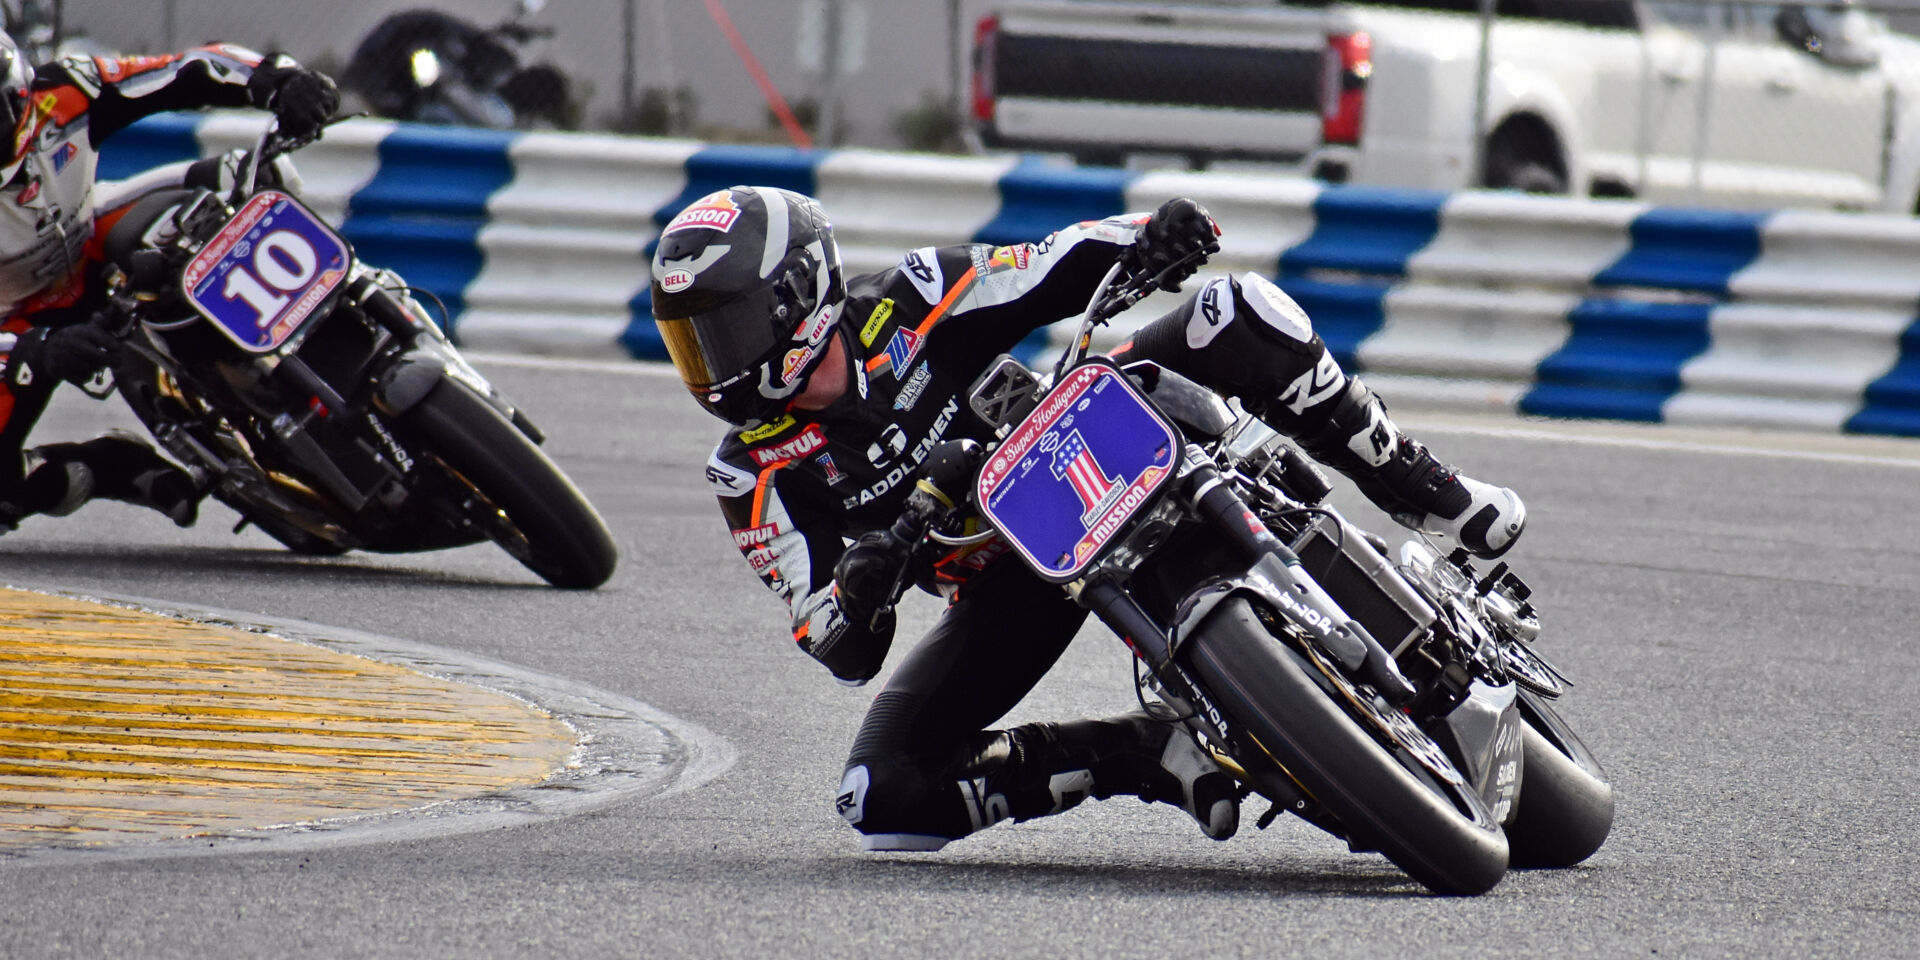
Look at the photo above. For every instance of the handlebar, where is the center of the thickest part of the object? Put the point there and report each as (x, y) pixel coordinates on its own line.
(1114, 295)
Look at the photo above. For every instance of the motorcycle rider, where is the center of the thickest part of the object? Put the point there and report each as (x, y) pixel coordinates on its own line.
(836, 390)
(53, 223)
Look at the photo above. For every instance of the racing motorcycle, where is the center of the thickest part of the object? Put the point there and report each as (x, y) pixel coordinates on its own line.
(1400, 705)
(314, 392)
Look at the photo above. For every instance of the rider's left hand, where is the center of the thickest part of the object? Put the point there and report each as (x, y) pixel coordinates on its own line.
(1180, 227)
(303, 99)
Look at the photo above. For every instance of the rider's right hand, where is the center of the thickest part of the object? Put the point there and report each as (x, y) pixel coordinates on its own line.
(302, 98)
(1180, 227)
(867, 572)
(71, 353)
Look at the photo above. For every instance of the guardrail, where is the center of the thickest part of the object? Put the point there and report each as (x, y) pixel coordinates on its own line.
(1546, 306)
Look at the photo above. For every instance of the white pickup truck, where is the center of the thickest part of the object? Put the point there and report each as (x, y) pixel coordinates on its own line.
(1756, 105)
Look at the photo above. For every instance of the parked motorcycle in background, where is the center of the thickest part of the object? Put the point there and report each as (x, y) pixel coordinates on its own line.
(35, 28)
(432, 67)
(314, 391)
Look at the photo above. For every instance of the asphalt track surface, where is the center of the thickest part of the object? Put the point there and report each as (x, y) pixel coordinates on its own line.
(1737, 609)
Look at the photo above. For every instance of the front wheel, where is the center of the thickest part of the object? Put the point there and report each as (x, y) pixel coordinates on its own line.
(1282, 710)
(1566, 805)
(521, 499)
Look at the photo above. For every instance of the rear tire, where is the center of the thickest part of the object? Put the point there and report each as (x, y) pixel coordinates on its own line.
(1442, 836)
(549, 526)
(1566, 805)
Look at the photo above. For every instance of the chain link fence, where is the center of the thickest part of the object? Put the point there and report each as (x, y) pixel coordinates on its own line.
(1725, 102)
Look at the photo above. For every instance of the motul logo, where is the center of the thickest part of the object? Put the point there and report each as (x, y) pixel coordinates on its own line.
(755, 536)
(807, 442)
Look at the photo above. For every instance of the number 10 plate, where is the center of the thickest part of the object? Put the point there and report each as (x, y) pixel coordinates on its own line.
(266, 271)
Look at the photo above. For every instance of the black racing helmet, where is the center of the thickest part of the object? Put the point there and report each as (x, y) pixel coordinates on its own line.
(746, 288)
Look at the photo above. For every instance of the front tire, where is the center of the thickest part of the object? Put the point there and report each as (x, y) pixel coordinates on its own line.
(531, 509)
(1441, 835)
(1566, 805)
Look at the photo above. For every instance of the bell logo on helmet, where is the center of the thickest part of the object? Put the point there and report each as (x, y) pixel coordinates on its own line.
(715, 211)
(817, 330)
(676, 280)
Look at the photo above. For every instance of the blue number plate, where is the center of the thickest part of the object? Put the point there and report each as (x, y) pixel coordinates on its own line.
(266, 271)
(1070, 476)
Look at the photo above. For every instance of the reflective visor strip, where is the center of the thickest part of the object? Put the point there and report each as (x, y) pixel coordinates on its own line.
(684, 349)
(721, 343)
(939, 310)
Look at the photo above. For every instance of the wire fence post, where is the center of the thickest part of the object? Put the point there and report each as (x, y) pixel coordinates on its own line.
(1476, 160)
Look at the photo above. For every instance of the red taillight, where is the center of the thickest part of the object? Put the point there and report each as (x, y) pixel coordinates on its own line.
(985, 34)
(1343, 87)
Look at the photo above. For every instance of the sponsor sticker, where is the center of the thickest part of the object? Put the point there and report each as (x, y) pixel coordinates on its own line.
(715, 211)
(676, 280)
(795, 361)
(902, 348)
(1015, 257)
(766, 431)
(816, 330)
(923, 269)
(808, 441)
(726, 479)
(826, 464)
(1211, 314)
(882, 311)
(746, 538)
(910, 391)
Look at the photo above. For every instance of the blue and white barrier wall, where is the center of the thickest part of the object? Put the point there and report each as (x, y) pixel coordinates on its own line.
(1546, 306)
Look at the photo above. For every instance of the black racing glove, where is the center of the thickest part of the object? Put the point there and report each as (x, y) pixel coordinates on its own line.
(1178, 228)
(303, 99)
(71, 353)
(867, 572)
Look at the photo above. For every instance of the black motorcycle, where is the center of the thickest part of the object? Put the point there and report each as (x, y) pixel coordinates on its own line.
(315, 394)
(1400, 706)
(432, 67)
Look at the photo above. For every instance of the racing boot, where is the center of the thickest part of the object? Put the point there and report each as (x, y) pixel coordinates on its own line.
(1041, 769)
(1352, 433)
(115, 466)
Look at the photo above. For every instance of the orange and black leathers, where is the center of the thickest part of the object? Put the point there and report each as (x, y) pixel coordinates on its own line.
(50, 236)
(921, 332)
(794, 492)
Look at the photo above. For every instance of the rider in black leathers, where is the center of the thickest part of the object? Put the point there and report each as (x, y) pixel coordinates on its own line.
(53, 223)
(838, 389)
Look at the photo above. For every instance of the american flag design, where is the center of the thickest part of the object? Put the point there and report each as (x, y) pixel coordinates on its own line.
(1074, 463)
(833, 473)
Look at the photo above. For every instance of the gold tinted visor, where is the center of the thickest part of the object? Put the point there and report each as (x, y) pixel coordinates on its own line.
(683, 346)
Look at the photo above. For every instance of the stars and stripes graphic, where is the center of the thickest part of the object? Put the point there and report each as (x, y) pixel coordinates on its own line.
(1074, 463)
(833, 473)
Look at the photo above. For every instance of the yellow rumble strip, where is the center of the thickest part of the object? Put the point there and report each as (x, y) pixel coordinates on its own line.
(121, 725)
